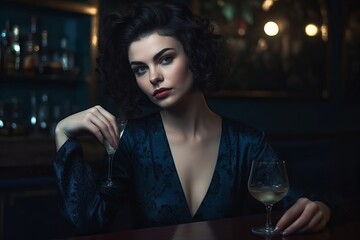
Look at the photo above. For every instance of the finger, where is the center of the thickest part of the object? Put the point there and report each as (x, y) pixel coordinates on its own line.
(112, 120)
(109, 117)
(315, 224)
(105, 121)
(291, 214)
(94, 129)
(295, 226)
(302, 223)
(95, 123)
(320, 218)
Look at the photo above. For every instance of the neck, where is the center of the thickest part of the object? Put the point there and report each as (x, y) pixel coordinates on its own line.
(190, 117)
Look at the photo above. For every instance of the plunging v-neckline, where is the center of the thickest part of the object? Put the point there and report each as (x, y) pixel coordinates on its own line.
(183, 196)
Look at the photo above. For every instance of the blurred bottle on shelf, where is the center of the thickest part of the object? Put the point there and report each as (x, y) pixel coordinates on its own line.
(4, 44)
(12, 53)
(33, 125)
(32, 54)
(34, 31)
(43, 114)
(44, 57)
(4, 123)
(32, 49)
(66, 56)
(17, 126)
(29, 56)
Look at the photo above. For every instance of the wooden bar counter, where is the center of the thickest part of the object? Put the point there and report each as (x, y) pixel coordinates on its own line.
(225, 229)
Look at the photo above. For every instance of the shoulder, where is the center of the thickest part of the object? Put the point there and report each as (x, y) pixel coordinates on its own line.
(248, 139)
(240, 129)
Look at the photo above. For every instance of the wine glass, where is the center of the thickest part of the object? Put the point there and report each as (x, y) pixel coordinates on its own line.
(121, 123)
(268, 183)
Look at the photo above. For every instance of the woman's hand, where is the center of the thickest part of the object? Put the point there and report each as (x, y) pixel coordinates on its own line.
(304, 216)
(95, 120)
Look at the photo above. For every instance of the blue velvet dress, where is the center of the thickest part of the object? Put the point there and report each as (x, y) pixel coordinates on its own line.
(149, 192)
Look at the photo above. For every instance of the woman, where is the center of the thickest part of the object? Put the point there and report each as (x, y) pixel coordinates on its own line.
(181, 162)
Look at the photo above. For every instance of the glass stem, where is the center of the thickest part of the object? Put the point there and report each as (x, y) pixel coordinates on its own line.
(110, 158)
(268, 218)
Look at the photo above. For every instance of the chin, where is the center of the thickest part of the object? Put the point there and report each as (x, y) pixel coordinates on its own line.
(165, 103)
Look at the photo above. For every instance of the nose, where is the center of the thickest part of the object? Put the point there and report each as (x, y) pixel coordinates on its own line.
(155, 76)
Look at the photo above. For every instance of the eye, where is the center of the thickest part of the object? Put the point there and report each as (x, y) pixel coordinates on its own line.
(139, 70)
(166, 60)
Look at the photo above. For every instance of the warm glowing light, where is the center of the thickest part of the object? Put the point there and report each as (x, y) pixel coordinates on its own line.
(262, 44)
(311, 30)
(271, 28)
(267, 4)
(94, 40)
(241, 31)
(221, 3)
(93, 11)
(324, 32)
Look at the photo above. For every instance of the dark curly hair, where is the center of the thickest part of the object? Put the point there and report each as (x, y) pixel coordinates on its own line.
(204, 49)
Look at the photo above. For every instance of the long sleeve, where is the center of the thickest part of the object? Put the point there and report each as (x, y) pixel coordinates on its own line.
(81, 202)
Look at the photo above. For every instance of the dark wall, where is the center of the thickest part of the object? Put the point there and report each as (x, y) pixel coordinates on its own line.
(339, 112)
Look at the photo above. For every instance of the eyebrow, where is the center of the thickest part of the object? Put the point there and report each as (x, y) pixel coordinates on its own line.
(155, 58)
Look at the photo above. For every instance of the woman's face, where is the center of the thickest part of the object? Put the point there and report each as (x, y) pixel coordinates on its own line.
(161, 69)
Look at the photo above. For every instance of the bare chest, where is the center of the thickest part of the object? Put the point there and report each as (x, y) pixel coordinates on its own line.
(195, 164)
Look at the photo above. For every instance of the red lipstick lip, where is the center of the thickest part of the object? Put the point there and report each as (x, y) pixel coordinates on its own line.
(161, 93)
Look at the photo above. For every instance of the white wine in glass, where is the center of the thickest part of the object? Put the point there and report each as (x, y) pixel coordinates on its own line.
(121, 123)
(268, 183)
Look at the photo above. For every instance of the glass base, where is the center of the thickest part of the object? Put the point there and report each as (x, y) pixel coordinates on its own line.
(108, 184)
(266, 231)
